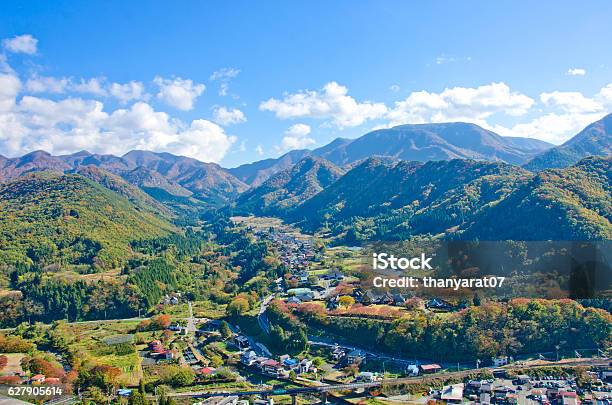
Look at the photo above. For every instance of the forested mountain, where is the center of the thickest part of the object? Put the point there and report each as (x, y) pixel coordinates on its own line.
(285, 190)
(155, 173)
(151, 180)
(561, 204)
(48, 218)
(377, 199)
(420, 142)
(141, 200)
(207, 181)
(463, 199)
(34, 161)
(594, 140)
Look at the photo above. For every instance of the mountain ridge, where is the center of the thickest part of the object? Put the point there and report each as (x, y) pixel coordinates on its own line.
(418, 142)
(285, 189)
(595, 139)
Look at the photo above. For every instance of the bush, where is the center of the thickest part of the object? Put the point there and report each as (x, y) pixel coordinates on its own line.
(15, 344)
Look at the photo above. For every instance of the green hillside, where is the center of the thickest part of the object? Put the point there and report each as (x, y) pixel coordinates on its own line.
(288, 188)
(568, 204)
(69, 220)
(379, 200)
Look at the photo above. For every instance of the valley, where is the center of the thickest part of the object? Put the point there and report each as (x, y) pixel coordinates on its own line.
(152, 275)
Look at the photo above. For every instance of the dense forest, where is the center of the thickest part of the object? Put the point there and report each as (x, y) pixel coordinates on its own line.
(521, 326)
(380, 199)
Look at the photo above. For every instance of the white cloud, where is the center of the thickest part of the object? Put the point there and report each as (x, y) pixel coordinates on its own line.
(225, 73)
(576, 72)
(93, 86)
(551, 127)
(224, 116)
(570, 102)
(259, 150)
(128, 91)
(203, 140)
(394, 88)
(296, 137)
(443, 59)
(69, 124)
(178, 93)
(224, 76)
(605, 95)
(47, 84)
(21, 44)
(10, 85)
(330, 103)
(459, 104)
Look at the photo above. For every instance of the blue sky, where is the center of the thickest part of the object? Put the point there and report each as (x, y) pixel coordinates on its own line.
(234, 82)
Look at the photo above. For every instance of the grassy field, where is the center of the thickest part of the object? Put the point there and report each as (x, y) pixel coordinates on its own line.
(263, 223)
(89, 341)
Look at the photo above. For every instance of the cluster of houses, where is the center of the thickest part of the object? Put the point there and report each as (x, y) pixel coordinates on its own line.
(370, 297)
(295, 254)
(277, 368)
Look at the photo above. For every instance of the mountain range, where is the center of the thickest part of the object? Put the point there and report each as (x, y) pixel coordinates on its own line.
(458, 199)
(175, 178)
(452, 179)
(422, 142)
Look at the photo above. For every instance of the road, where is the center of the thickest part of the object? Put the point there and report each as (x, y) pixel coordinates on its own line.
(321, 342)
(191, 321)
(262, 318)
(289, 391)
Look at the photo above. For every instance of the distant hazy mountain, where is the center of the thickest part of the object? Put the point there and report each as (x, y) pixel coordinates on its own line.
(174, 176)
(594, 140)
(528, 144)
(208, 182)
(288, 188)
(422, 142)
(256, 173)
(426, 142)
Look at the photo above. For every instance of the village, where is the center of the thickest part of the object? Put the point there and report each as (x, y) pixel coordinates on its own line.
(214, 355)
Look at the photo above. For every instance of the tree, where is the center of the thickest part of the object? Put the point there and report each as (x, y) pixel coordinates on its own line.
(161, 321)
(346, 301)
(137, 398)
(239, 306)
(225, 330)
(183, 376)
